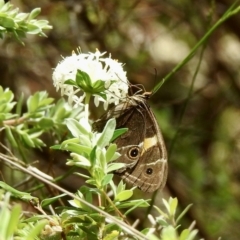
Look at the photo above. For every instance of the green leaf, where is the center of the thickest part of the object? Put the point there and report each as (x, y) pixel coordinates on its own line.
(34, 13)
(5, 7)
(183, 213)
(38, 143)
(27, 140)
(83, 80)
(19, 105)
(166, 204)
(184, 234)
(76, 128)
(2, 4)
(115, 166)
(10, 137)
(99, 86)
(112, 236)
(32, 103)
(169, 233)
(134, 203)
(161, 220)
(76, 148)
(16, 193)
(79, 161)
(107, 178)
(4, 216)
(121, 186)
(33, 29)
(173, 206)
(13, 221)
(124, 195)
(7, 22)
(93, 156)
(71, 82)
(118, 133)
(111, 150)
(87, 191)
(34, 232)
(48, 201)
(46, 123)
(21, 17)
(192, 235)
(45, 102)
(7, 95)
(107, 133)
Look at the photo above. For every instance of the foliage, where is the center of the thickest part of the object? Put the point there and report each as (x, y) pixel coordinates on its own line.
(89, 150)
(20, 24)
(200, 122)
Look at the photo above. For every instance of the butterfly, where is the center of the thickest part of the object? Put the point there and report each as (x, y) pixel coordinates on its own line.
(142, 147)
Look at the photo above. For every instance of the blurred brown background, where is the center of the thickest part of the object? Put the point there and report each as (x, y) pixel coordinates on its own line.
(201, 129)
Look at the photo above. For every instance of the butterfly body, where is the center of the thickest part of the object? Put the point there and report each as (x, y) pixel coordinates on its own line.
(142, 147)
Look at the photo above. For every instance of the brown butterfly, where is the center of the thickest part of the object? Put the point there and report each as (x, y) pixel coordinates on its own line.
(142, 147)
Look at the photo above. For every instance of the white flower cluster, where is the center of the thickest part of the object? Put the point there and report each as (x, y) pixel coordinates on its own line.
(98, 68)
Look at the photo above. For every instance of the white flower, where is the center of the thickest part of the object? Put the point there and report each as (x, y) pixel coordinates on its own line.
(113, 84)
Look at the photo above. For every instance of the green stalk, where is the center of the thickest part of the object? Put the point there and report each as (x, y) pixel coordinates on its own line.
(229, 13)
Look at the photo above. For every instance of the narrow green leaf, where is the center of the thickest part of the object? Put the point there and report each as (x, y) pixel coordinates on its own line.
(10, 137)
(166, 204)
(34, 232)
(173, 206)
(48, 201)
(38, 143)
(5, 216)
(183, 213)
(133, 204)
(27, 140)
(16, 193)
(111, 152)
(13, 222)
(19, 105)
(107, 133)
(93, 155)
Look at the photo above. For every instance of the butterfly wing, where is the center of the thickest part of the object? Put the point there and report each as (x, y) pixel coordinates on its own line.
(142, 149)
